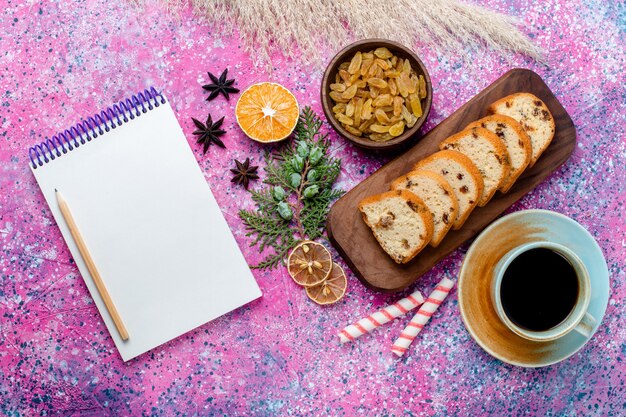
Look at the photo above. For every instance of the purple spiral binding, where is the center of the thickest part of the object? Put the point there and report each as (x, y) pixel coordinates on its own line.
(98, 124)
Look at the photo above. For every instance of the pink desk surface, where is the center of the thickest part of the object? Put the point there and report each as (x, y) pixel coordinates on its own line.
(280, 355)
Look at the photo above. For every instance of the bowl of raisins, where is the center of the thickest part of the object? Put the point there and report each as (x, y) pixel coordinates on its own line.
(377, 94)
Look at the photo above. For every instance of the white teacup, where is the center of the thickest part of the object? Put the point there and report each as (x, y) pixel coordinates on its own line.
(578, 320)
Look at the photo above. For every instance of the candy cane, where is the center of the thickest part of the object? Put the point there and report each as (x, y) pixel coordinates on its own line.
(422, 316)
(381, 317)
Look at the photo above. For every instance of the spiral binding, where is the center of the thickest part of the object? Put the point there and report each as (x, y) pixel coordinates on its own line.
(98, 124)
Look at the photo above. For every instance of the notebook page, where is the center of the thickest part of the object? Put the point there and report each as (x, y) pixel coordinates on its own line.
(153, 228)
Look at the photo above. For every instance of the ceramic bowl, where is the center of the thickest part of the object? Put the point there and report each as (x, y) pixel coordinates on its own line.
(410, 135)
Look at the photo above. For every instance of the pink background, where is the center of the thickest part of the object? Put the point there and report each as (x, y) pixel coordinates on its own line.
(280, 355)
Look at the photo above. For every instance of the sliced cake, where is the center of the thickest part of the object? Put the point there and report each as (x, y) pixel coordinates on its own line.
(487, 152)
(463, 177)
(533, 115)
(400, 221)
(438, 196)
(516, 141)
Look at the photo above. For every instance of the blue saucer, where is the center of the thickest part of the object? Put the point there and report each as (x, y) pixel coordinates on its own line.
(475, 280)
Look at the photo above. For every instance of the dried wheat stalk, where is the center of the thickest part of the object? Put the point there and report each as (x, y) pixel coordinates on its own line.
(310, 28)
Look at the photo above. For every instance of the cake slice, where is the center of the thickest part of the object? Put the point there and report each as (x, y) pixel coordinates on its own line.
(400, 221)
(438, 196)
(516, 141)
(463, 177)
(487, 152)
(534, 117)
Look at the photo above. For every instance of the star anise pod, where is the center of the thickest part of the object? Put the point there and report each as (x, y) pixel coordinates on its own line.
(220, 85)
(209, 133)
(244, 173)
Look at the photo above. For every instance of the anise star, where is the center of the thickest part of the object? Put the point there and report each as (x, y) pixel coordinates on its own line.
(209, 133)
(220, 85)
(244, 173)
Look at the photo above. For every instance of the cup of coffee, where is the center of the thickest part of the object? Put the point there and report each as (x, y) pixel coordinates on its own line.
(541, 292)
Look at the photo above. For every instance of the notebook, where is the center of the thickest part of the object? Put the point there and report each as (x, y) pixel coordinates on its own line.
(148, 218)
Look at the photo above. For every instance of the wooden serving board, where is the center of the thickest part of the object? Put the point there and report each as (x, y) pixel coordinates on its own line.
(356, 243)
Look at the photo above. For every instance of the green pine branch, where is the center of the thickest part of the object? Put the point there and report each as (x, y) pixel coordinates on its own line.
(298, 191)
(315, 212)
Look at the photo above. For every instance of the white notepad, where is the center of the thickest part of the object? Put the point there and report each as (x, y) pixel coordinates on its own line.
(149, 219)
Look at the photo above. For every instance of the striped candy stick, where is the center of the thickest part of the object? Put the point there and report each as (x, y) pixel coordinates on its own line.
(381, 317)
(422, 316)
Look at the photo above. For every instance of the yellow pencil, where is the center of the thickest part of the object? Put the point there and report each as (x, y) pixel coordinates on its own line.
(91, 266)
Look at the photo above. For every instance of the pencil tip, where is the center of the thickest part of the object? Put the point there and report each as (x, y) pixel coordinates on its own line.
(56, 191)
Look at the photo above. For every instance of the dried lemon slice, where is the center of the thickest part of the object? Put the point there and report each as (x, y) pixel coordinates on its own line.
(332, 289)
(267, 112)
(309, 263)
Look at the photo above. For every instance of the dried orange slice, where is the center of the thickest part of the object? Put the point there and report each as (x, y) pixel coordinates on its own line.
(332, 289)
(267, 112)
(309, 263)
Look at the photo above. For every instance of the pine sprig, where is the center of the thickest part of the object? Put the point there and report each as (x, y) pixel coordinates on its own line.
(277, 258)
(299, 190)
(277, 174)
(264, 200)
(315, 212)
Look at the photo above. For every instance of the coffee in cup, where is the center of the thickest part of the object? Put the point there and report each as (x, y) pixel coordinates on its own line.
(541, 291)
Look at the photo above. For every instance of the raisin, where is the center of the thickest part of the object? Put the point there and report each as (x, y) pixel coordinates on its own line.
(405, 243)
(508, 104)
(412, 206)
(545, 115)
(445, 218)
(459, 176)
(464, 189)
(386, 220)
(444, 171)
(474, 135)
(537, 102)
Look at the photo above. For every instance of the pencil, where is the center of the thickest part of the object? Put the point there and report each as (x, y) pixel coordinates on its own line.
(91, 266)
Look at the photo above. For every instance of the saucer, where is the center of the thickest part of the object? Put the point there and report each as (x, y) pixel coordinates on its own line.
(477, 311)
